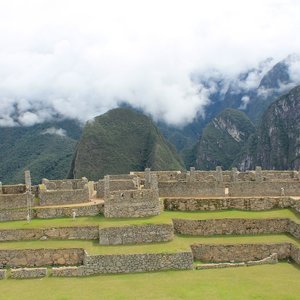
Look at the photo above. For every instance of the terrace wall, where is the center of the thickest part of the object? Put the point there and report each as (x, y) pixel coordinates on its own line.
(231, 226)
(136, 234)
(24, 273)
(58, 212)
(13, 258)
(59, 233)
(239, 252)
(241, 203)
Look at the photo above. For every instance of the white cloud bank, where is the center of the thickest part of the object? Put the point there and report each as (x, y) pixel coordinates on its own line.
(80, 58)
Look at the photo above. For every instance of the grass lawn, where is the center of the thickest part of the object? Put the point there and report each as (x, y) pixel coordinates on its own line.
(180, 243)
(165, 217)
(278, 282)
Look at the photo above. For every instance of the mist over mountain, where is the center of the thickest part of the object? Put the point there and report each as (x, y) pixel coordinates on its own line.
(48, 148)
(45, 149)
(252, 91)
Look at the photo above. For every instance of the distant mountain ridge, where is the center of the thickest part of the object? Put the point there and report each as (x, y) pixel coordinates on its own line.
(251, 92)
(276, 144)
(45, 149)
(222, 139)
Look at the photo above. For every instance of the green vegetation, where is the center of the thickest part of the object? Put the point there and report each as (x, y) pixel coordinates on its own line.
(45, 153)
(120, 141)
(164, 218)
(179, 243)
(275, 145)
(222, 139)
(273, 282)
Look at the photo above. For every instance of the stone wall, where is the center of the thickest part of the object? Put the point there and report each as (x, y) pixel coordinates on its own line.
(13, 189)
(238, 189)
(13, 258)
(13, 214)
(272, 259)
(270, 175)
(228, 176)
(59, 233)
(92, 209)
(230, 226)
(239, 252)
(128, 263)
(65, 184)
(24, 273)
(132, 203)
(294, 229)
(58, 212)
(136, 234)
(61, 197)
(191, 189)
(241, 203)
(114, 185)
(8, 201)
(295, 254)
(131, 263)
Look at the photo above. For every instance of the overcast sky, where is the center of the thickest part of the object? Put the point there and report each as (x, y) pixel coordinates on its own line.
(81, 58)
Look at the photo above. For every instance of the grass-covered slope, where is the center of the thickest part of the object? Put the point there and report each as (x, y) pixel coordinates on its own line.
(45, 149)
(120, 141)
(222, 139)
(280, 281)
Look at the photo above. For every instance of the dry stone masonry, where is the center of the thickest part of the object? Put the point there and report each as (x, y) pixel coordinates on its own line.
(136, 234)
(147, 194)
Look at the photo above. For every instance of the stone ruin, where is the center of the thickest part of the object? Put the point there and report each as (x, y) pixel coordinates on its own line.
(146, 194)
(142, 201)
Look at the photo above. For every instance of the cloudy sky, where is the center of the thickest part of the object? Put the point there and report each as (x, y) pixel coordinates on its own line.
(80, 58)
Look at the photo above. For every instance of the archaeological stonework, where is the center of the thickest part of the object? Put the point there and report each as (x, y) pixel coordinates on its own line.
(136, 234)
(230, 226)
(140, 202)
(91, 209)
(272, 259)
(58, 233)
(59, 197)
(128, 263)
(25, 273)
(16, 258)
(9, 201)
(223, 203)
(239, 252)
(13, 214)
(148, 194)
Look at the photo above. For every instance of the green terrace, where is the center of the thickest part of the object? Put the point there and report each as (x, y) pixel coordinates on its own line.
(164, 218)
(280, 281)
(179, 243)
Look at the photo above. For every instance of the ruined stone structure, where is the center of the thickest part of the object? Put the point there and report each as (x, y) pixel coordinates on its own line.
(138, 202)
(147, 194)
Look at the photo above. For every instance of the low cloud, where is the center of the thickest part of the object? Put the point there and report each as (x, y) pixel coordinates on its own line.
(55, 131)
(78, 59)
